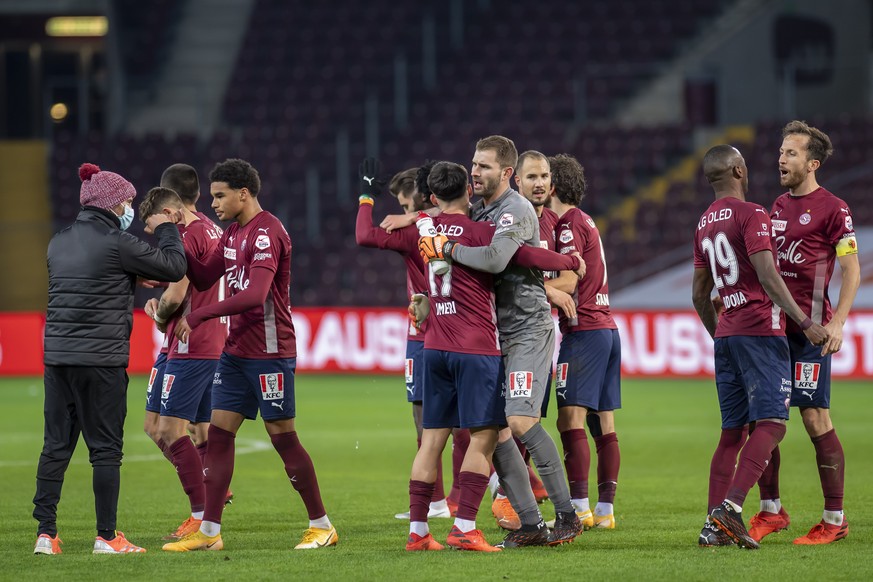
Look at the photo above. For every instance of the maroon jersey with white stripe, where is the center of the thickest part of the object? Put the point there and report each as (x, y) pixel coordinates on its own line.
(265, 332)
(728, 233)
(548, 222)
(207, 339)
(808, 232)
(463, 318)
(577, 233)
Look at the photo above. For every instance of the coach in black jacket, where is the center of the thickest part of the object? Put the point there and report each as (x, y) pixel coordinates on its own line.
(93, 267)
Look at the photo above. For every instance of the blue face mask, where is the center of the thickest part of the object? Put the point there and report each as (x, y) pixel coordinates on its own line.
(126, 218)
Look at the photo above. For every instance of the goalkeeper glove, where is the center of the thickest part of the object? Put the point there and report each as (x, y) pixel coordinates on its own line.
(432, 247)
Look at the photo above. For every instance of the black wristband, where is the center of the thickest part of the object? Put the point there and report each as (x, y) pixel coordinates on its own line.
(448, 247)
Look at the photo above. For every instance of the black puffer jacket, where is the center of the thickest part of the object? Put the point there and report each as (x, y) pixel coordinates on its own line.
(93, 267)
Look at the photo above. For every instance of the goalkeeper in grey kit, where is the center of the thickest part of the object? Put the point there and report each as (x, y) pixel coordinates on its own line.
(526, 331)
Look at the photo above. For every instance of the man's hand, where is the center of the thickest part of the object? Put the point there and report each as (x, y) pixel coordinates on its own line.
(580, 272)
(368, 176)
(151, 309)
(183, 330)
(562, 301)
(419, 308)
(431, 247)
(159, 218)
(835, 338)
(816, 334)
(394, 222)
(718, 305)
(149, 283)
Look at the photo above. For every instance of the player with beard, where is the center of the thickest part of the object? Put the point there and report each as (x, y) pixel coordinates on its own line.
(733, 253)
(812, 230)
(527, 336)
(410, 189)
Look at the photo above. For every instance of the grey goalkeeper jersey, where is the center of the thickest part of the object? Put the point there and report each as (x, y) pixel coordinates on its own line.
(521, 295)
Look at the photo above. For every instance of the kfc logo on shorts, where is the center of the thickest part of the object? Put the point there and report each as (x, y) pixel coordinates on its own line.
(272, 386)
(168, 383)
(506, 220)
(806, 376)
(409, 362)
(262, 242)
(152, 377)
(566, 236)
(520, 384)
(561, 376)
(805, 218)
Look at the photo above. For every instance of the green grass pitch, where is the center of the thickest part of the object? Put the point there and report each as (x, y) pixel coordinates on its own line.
(358, 430)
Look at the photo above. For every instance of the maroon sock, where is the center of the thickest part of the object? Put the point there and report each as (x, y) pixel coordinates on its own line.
(831, 468)
(577, 461)
(460, 443)
(190, 471)
(165, 449)
(217, 471)
(439, 491)
(608, 463)
(473, 486)
(754, 457)
(419, 500)
(201, 450)
(769, 481)
(724, 460)
(298, 467)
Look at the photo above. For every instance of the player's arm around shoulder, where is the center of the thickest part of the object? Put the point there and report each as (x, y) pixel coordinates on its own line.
(510, 233)
(165, 263)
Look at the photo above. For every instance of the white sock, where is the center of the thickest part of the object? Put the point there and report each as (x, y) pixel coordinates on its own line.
(321, 523)
(833, 517)
(465, 525)
(771, 505)
(493, 484)
(419, 528)
(737, 508)
(197, 514)
(438, 505)
(603, 509)
(210, 528)
(581, 505)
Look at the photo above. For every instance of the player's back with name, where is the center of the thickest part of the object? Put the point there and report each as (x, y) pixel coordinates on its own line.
(462, 313)
(266, 331)
(728, 233)
(200, 239)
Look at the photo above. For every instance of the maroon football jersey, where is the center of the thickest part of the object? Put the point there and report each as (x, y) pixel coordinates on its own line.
(398, 241)
(577, 233)
(265, 332)
(548, 222)
(206, 342)
(462, 316)
(808, 233)
(728, 233)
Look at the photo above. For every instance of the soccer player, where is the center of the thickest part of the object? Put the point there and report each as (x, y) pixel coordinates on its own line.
(185, 391)
(812, 230)
(733, 253)
(526, 335)
(256, 370)
(92, 267)
(589, 360)
(403, 186)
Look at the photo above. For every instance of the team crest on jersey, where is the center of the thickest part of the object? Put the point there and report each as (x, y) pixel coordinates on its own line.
(520, 384)
(566, 236)
(849, 223)
(230, 253)
(561, 376)
(805, 218)
(272, 386)
(152, 377)
(168, 383)
(262, 242)
(506, 220)
(408, 368)
(806, 375)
